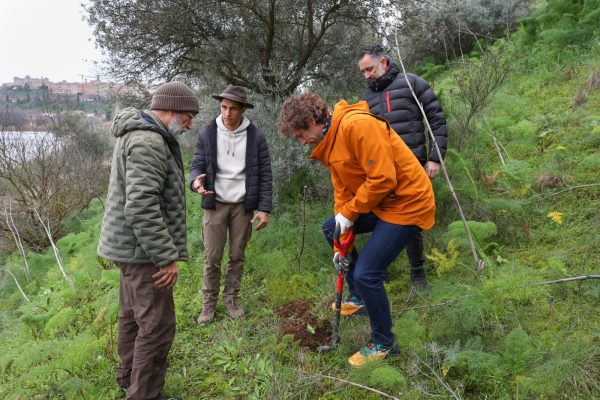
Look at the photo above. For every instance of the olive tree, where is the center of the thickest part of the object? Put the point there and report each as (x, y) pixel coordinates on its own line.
(272, 47)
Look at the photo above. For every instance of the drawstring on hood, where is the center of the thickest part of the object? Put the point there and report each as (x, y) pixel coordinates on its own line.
(230, 176)
(231, 138)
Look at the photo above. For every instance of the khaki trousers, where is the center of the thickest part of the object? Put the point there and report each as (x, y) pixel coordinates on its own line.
(146, 331)
(216, 224)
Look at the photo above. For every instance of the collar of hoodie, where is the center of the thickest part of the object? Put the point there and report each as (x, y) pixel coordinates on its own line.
(231, 134)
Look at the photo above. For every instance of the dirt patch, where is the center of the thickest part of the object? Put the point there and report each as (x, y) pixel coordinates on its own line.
(298, 322)
(549, 181)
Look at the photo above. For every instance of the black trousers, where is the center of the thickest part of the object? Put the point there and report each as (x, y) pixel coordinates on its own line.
(414, 250)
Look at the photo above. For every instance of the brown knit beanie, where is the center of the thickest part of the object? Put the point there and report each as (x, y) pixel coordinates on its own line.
(175, 96)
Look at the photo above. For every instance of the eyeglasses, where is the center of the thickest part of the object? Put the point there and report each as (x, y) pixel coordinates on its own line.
(188, 114)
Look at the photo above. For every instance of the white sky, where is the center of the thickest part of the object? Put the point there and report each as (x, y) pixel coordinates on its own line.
(46, 38)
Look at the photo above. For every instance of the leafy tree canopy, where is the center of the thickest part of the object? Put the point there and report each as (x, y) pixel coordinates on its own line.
(271, 47)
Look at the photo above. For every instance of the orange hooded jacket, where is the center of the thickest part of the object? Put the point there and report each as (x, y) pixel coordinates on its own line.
(373, 170)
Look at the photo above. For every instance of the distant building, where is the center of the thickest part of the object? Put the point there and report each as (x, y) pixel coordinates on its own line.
(85, 91)
(32, 83)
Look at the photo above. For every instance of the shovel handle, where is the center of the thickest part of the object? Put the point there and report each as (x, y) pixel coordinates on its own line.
(344, 245)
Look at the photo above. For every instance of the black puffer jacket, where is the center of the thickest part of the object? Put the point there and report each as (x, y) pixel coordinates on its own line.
(389, 97)
(259, 185)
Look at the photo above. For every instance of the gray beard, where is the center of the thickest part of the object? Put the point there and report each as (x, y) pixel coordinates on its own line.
(175, 126)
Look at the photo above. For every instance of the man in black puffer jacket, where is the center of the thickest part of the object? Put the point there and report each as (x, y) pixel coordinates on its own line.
(231, 170)
(389, 96)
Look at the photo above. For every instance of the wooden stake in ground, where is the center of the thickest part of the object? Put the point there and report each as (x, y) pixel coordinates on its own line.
(303, 230)
(479, 263)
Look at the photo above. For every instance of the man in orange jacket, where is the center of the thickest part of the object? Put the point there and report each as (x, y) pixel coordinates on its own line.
(379, 187)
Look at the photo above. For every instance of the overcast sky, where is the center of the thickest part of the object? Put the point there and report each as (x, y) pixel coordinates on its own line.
(45, 38)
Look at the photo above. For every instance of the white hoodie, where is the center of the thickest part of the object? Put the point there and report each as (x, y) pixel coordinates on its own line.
(230, 180)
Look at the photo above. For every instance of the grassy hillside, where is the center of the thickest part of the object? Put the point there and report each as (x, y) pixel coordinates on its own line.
(491, 335)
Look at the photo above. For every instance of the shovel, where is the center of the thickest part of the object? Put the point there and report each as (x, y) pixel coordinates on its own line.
(339, 287)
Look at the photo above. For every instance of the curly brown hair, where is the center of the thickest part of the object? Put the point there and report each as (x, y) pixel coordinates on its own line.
(297, 112)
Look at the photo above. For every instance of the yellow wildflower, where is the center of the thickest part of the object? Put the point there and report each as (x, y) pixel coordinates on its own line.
(556, 216)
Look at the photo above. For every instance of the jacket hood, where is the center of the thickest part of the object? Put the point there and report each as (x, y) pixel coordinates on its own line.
(131, 119)
(340, 110)
(244, 123)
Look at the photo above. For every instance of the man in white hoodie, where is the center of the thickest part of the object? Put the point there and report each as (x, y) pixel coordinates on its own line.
(231, 170)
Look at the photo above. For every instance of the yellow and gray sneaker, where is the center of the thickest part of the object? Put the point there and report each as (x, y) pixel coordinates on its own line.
(372, 352)
(352, 306)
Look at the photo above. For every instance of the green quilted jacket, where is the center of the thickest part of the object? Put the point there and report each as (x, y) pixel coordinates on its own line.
(144, 219)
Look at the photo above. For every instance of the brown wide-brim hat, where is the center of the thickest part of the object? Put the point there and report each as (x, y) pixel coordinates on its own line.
(235, 93)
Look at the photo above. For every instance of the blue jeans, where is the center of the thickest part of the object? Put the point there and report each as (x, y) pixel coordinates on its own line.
(365, 274)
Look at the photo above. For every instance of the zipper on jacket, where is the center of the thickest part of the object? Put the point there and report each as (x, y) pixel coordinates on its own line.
(387, 100)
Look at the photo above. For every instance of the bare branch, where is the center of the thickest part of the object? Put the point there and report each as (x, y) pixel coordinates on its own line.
(570, 188)
(572, 279)
(54, 248)
(17, 283)
(433, 374)
(389, 396)
(479, 263)
(17, 238)
(495, 142)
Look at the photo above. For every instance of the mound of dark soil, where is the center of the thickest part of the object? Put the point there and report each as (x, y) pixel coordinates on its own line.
(298, 322)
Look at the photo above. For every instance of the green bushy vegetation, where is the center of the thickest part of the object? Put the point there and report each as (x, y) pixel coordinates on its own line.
(488, 335)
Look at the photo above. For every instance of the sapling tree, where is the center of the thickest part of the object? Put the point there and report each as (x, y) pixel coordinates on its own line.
(477, 80)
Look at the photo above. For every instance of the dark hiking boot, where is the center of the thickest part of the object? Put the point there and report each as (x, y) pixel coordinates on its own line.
(207, 315)
(234, 310)
(419, 279)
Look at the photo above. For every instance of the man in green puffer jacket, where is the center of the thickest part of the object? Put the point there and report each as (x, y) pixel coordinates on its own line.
(144, 232)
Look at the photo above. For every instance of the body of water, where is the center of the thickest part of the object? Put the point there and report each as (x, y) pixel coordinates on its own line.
(21, 146)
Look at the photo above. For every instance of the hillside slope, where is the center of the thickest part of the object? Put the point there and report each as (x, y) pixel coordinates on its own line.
(494, 335)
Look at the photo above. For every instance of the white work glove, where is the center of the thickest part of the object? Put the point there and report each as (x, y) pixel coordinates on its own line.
(343, 222)
(342, 263)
